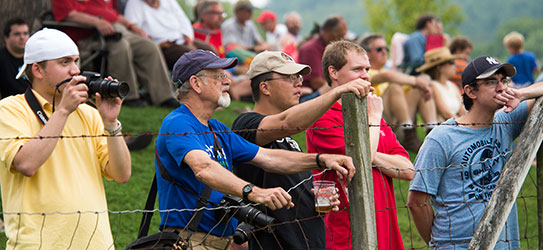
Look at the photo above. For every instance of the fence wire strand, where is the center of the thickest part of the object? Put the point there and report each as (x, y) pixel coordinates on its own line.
(410, 237)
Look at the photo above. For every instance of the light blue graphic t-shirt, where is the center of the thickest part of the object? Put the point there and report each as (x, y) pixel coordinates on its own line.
(459, 167)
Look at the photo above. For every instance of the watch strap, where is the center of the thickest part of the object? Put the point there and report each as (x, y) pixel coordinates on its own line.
(246, 193)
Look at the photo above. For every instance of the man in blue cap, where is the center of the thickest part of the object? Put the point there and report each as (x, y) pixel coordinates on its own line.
(459, 164)
(197, 151)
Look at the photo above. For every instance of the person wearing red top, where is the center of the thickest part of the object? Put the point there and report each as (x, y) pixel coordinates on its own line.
(132, 57)
(208, 26)
(386, 151)
(310, 53)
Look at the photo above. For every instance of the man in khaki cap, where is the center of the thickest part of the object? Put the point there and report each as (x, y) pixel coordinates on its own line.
(276, 82)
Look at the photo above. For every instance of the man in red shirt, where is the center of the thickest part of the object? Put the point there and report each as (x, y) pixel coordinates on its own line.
(132, 57)
(208, 26)
(310, 53)
(343, 62)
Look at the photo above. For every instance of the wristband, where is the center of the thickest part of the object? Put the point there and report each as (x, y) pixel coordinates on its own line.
(116, 130)
(318, 162)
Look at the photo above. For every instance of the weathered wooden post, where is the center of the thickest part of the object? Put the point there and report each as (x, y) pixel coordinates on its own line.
(357, 146)
(539, 176)
(510, 182)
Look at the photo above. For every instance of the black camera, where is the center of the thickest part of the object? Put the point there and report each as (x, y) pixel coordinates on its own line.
(106, 88)
(243, 233)
(249, 215)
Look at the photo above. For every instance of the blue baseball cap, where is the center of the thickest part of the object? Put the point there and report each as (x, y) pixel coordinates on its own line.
(484, 67)
(194, 61)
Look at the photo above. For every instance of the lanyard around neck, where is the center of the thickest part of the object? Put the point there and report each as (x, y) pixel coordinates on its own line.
(35, 106)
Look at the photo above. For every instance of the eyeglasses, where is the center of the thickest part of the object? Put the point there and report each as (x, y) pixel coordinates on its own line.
(450, 62)
(217, 13)
(220, 77)
(292, 78)
(493, 82)
(379, 49)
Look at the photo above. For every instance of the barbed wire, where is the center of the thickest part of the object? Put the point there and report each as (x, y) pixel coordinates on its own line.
(430, 125)
(297, 220)
(504, 154)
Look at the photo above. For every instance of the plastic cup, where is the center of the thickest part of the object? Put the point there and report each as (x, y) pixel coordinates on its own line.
(323, 190)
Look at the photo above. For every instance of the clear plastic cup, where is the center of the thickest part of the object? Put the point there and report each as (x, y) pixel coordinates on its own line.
(323, 190)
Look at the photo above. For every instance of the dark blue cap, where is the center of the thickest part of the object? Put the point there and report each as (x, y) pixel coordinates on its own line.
(194, 61)
(484, 67)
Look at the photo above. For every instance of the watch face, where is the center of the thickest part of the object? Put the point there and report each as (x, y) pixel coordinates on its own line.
(247, 188)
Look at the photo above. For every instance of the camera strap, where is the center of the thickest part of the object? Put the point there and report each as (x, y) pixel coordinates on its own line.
(203, 199)
(35, 106)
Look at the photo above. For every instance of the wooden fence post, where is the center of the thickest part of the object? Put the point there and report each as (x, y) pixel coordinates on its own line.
(539, 177)
(510, 182)
(357, 146)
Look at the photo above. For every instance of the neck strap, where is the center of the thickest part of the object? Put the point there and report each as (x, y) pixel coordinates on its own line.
(35, 106)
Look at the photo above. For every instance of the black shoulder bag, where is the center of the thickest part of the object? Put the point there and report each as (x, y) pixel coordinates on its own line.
(170, 240)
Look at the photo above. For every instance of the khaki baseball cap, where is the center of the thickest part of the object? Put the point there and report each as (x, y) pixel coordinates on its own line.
(278, 62)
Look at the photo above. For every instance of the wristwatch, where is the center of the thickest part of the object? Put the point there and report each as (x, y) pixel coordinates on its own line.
(246, 190)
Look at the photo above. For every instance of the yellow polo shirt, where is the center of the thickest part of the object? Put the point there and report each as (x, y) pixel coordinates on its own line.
(69, 181)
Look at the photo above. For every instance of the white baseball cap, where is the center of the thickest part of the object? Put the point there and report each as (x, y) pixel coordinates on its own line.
(47, 44)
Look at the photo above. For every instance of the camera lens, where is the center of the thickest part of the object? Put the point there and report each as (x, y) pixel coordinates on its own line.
(242, 234)
(109, 89)
(255, 217)
(115, 89)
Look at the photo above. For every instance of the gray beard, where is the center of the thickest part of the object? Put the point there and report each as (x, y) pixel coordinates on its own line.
(224, 101)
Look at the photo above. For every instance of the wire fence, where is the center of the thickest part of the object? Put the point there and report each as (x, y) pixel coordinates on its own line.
(411, 240)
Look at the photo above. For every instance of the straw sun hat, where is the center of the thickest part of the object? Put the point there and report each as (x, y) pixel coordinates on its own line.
(436, 57)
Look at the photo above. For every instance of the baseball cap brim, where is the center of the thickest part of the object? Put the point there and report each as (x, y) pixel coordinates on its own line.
(508, 68)
(293, 68)
(21, 72)
(223, 63)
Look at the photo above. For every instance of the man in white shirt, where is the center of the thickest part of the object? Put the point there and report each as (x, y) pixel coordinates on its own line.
(167, 25)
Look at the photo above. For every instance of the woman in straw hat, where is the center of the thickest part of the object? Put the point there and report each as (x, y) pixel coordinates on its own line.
(439, 65)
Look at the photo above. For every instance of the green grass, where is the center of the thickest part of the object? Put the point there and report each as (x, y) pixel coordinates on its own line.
(132, 195)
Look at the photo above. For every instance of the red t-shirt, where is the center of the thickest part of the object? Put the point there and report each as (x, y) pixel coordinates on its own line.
(310, 53)
(213, 37)
(338, 227)
(434, 41)
(61, 9)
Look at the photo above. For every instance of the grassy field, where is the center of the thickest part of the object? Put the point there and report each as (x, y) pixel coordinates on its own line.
(124, 198)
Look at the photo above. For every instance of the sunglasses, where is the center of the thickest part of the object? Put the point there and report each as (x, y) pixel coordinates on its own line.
(379, 49)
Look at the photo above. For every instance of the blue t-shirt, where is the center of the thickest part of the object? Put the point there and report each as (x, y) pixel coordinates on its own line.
(525, 63)
(413, 51)
(459, 168)
(189, 134)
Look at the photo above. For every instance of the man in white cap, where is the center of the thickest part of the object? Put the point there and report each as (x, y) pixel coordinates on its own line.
(52, 189)
(276, 82)
(459, 165)
(200, 151)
